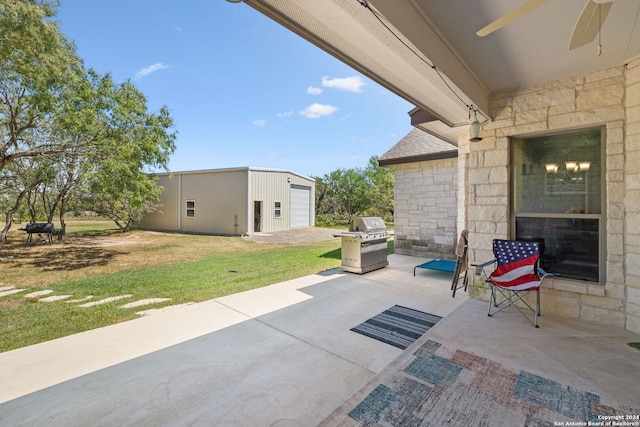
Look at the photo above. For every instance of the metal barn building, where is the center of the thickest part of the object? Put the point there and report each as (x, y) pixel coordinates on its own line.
(233, 201)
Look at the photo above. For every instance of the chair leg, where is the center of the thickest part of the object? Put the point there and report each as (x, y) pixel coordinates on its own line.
(511, 299)
(537, 314)
(491, 298)
(454, 282)
(456, 278)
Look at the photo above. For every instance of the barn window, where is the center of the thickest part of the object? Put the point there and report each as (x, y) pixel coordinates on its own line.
(277, 210)
(191, 208)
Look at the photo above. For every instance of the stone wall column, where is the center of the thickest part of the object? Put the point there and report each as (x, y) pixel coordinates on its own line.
(632, 197)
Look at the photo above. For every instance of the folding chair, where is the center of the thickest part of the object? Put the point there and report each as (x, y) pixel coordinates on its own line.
(462, 267)
(517, 274)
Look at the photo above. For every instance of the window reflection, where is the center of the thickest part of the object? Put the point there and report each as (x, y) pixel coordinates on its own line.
(570, 247)
(558, 173)
(556, 198)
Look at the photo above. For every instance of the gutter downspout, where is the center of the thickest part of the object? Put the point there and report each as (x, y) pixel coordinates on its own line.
(179, 202)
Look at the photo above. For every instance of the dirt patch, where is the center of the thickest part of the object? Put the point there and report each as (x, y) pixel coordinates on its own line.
(297, 235)
(112, 240)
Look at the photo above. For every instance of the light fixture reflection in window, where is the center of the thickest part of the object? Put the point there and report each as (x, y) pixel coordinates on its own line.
(570, 166)
(584, 166)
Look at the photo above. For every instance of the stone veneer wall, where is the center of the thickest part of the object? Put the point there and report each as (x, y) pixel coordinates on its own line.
(630, 203)
(426, 208)
(609, 98)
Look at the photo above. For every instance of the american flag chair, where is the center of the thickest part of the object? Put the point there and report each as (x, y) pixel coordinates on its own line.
(517, 274)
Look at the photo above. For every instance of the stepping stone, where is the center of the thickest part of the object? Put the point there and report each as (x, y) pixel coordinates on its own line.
(104, 301)
(142, 302)
(79, 300)
(10, 292)
(55, 298)
(38, 293)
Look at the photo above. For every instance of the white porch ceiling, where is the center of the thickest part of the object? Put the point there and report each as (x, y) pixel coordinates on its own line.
(421, 33)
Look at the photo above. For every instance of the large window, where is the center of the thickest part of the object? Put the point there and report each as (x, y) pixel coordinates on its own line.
(557, 200)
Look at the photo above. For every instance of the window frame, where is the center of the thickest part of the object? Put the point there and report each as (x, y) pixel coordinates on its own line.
(277, 209)
(601, 217)
(190, 209)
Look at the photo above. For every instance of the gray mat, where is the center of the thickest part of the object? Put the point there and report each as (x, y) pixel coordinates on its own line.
(398, 326)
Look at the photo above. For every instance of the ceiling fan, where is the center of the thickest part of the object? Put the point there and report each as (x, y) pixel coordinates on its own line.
(586, 29)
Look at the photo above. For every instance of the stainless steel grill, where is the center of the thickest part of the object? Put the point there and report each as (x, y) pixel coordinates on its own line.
(364, 246)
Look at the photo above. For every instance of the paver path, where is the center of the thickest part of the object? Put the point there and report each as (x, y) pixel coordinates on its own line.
(6, 291)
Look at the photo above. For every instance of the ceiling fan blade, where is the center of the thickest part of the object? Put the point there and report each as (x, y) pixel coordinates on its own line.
(589, 23)
(511, 16)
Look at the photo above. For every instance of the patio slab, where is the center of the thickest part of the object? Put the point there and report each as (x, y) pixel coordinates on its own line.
(285, 355)
(471, 369)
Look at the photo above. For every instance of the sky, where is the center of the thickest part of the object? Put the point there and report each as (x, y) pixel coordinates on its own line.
(242, 89)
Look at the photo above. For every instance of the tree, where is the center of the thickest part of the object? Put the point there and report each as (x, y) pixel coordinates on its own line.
(18, 180)
(382, 187)
(36, 64)
(38, 71)
(350, 190)
(357, 191)
(63, 128)
(119, 186)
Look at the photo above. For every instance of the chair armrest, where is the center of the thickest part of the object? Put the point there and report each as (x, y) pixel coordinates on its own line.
(486, 264)
(480, 267)
(543, 274)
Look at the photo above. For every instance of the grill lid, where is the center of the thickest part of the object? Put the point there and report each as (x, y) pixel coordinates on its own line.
(367, 224)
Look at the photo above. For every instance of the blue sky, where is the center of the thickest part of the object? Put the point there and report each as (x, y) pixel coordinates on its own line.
(242, 89)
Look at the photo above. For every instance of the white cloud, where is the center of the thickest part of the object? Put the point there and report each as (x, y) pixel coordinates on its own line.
(150, 69)
(285, 114)
(316, 111)
(260, 122)
(351, 84)
(314, 90)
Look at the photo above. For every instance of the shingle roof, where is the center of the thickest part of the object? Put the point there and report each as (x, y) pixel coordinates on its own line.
(418, 146)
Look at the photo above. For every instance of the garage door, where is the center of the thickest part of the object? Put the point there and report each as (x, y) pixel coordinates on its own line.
(300, 206)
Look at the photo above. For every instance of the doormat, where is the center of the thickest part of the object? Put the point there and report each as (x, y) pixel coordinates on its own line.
(440, 386)
(398, 326)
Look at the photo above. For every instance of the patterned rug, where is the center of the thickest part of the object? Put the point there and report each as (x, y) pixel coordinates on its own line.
(398, 326)
(440, 386)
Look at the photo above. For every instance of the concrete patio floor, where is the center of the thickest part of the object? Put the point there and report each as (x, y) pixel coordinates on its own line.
(284, 355)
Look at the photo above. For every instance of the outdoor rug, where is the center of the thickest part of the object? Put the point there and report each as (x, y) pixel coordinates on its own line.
(398, 326)
(439, 386)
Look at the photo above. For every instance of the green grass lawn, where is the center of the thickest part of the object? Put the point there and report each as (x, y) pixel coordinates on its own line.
(184, 268)
(24, 323)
